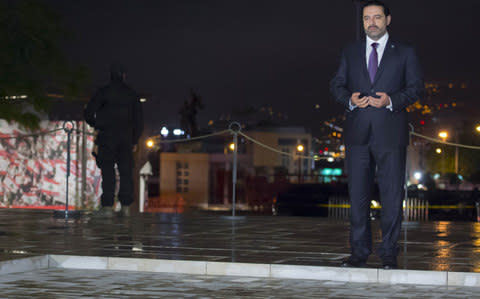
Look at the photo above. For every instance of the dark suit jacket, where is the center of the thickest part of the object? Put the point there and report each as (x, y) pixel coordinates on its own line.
(398, 75)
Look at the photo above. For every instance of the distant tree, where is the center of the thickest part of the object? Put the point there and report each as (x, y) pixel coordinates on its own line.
(440, 163)
(468, 159)
(31, 60)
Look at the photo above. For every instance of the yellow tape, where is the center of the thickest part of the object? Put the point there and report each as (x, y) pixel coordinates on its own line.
(347, 206)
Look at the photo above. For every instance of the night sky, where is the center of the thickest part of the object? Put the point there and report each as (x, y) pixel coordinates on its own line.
(263, 53)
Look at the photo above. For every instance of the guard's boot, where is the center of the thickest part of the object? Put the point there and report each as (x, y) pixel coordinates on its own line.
(125, 211)
(103, 212)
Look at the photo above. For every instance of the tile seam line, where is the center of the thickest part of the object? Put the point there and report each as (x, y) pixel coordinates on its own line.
(446, 283)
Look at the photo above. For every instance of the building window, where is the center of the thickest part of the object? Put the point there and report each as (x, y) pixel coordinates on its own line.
(285, 158)
(182, 177)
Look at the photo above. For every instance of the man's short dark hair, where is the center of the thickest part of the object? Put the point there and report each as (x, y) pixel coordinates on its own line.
(386, 10)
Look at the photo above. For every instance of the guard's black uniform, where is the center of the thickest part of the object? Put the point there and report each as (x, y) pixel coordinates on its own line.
(115, 111)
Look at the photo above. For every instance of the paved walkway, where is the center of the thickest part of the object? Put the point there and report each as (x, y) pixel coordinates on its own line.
(438, 246)
(274, 244)
(68, 283)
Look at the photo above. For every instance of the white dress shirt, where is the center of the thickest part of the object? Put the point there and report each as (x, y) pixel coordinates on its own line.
(382, 43)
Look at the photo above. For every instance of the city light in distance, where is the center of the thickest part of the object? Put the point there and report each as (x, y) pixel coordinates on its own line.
(438, 150)
(300, 148)
(164, 131)
(178, 132)
(417, 175)
(443, 135)
(231, 146)
(150, 143)
(16, 97)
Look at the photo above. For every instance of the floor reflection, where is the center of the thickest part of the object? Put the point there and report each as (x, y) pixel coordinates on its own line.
(441, 246)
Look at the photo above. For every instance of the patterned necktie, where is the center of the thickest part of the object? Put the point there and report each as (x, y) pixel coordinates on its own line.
(373, 62)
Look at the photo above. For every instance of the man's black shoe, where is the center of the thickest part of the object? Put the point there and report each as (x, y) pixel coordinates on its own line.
(353, 262)
(389, 263)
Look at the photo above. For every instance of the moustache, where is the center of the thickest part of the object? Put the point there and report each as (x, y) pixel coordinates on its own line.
(371, 27)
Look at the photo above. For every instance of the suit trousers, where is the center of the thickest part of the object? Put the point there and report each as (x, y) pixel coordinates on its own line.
(115, 149)
(364, 162)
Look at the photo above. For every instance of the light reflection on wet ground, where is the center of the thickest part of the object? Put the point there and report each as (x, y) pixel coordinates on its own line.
(440, 246)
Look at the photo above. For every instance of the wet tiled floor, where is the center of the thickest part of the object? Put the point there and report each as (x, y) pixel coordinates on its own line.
(439, 246)
(69, 283)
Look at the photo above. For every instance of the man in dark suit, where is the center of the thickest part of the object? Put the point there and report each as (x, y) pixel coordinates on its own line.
(376, 80)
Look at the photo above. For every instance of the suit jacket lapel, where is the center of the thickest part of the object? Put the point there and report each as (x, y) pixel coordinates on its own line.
(363, 59)
(387, 54)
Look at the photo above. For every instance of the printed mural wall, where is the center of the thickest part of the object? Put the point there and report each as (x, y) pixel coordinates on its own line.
(33, 167)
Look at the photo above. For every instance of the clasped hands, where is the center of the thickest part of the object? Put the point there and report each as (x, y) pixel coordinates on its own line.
(382, 101)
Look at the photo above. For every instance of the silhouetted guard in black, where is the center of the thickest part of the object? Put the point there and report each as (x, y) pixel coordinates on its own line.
(116, 113)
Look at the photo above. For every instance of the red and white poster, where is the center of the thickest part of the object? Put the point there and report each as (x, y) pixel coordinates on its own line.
(33, 167)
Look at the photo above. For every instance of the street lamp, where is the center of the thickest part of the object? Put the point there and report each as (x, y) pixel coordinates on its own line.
(300, 149)
(150, 143)
(478, 128)
(443, 135)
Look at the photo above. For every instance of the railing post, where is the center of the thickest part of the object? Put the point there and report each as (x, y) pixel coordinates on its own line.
(406, 216)
(235, 127)
(477, 205)
(68, 127)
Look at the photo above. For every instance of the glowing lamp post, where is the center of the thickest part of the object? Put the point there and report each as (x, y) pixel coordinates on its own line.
(300, 149)
(443, 135)
(150, 143)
